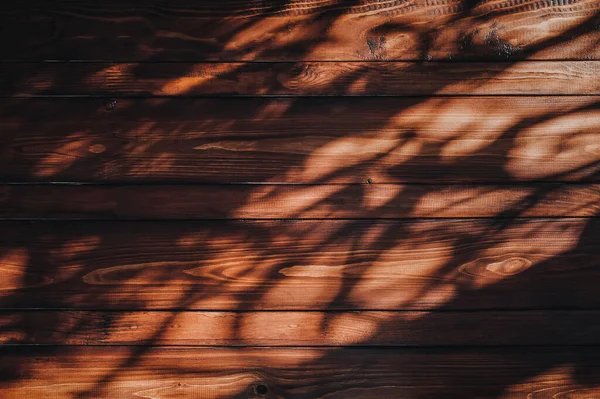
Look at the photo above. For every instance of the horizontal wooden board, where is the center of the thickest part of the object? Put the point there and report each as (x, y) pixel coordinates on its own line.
(334, 201)
(302, 265)
(300, 79)
(301, 328)
(300, 30)
(301, 140)
(122, 372)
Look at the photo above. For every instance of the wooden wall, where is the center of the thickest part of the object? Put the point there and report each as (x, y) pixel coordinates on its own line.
(300, 199)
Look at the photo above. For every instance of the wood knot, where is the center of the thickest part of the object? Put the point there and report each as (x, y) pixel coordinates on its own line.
(509, 267)
(500, 48)
(258, 390)
(376, 47)
(489, 270)
(110, 104)
(262, 389)
(97, 148)
(298, 69)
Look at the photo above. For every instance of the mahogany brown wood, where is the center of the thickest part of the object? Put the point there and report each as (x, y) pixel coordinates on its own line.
(334, 201)
(302, 140)
(300, 199)
(301, 30)
(300, 78)
(240, 373)
(302, 265)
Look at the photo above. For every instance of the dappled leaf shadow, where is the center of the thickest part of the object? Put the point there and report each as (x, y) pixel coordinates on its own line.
(423, 266)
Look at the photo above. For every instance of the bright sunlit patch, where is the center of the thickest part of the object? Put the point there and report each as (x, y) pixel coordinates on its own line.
(77, 247)
(184, 84)
(302, 201)
(185, 391)
(227, 385)
(198, 79)
(288, 292)
(348, 328)
(111, 76)
(58, 160)
(407, 275)
(562, 144)
(553, 383)
(283, 327)
(263, 32)
(383, 197)
(593, 148)
(458, 148)
(13, 266)
(338, 155)
(409, 149)
(274, 109)
(14, 273)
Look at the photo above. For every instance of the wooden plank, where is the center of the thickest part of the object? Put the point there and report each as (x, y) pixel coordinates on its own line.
(215, 373)
(297, 201)
(301, 328)
(302, 265)
(315, 30)
(302, 140)
(307, 78)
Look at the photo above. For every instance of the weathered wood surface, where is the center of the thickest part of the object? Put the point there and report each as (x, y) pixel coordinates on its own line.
(302, 140)
(300, 30)
(457, 216)
(304, 78)
(301, 328)
(219, 373)
(334, 201)
(302, 265)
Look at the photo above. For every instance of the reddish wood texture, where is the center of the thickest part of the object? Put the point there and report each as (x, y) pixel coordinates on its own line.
(302, 265)
(364, 201)
(302, 140)
(305, 78)
(300, 30)
(300, 199)
(224, 373)
(276, 329)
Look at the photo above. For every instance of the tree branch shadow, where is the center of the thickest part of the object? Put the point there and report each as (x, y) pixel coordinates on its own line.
(47, 259)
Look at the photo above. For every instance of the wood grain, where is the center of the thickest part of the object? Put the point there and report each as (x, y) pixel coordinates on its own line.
(306, 78)
(302, 265)
(302, 140)
(442, 241)
(297, 201)
(307, 30)
(125, 372)
(301, 328)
